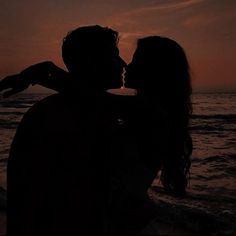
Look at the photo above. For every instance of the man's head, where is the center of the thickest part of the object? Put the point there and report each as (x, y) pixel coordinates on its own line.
(90, 53)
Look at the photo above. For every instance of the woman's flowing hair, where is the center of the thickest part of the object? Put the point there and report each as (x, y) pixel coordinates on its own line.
(167, 77)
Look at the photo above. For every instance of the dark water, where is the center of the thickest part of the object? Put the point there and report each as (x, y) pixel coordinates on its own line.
(211, 202)
(210, 206)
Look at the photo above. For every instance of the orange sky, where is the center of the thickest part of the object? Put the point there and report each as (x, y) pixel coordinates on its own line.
(32, 31)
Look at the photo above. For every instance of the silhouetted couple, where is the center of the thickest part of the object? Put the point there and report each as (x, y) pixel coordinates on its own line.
(82, 160)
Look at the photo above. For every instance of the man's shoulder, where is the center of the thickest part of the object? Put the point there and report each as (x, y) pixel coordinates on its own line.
(47, 104)
(49, 101)
(47, 107)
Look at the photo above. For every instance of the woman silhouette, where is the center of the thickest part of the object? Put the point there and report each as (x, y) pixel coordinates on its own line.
(159, 71)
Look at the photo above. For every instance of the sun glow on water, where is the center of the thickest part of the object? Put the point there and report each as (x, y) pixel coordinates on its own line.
(123, 91)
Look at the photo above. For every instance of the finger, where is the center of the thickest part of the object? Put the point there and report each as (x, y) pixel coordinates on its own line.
(8, 82)
(5, 83)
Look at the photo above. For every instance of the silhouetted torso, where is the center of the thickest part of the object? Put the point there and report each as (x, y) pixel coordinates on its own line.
(57, 166)
(141, 132)
(78, 163)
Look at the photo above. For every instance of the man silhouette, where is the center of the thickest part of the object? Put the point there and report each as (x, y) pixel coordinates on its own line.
(57, 175)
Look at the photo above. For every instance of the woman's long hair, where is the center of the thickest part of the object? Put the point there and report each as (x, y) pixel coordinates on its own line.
(160, 70)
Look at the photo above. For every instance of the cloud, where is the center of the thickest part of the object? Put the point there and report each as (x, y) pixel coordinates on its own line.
(176, 5)
(159, 17)
(187, 20)
(156, 7)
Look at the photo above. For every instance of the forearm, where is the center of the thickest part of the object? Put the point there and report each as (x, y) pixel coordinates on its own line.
(56, 80)
(46, 74)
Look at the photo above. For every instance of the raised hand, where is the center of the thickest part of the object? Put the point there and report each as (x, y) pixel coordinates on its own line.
(45, 73)
(14, 84)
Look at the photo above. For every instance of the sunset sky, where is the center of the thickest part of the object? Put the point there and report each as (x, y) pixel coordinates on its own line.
(32, 31)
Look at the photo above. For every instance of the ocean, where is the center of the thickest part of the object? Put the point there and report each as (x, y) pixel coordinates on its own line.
(210, 205)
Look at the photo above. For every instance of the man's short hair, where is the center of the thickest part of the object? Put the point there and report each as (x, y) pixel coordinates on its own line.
(87, 42)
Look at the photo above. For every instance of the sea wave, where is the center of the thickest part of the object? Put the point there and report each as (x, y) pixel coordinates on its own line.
(21, 100)
(211, 128)
(16, 113)
(201, 214)
(8, 124)
(217, 159)
(17, 104)
(231, 117)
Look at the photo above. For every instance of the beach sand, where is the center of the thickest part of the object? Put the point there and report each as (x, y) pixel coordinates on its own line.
(164, 229)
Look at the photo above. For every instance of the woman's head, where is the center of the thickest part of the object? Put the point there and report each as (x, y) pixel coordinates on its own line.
(159, 66)
(160, 69)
